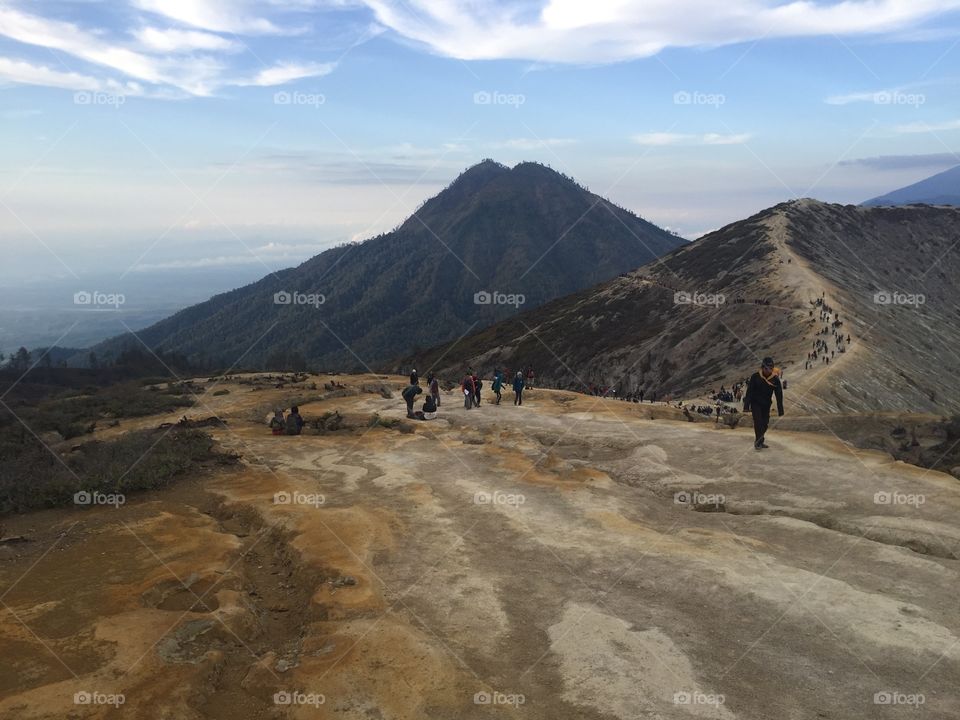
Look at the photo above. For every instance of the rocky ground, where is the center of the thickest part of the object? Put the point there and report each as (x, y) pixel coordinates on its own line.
(572, 558)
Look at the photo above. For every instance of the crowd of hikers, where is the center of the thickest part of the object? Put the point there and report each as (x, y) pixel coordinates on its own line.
(756, 393)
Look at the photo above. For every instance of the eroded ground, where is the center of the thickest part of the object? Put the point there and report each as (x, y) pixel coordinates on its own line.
(507, 562)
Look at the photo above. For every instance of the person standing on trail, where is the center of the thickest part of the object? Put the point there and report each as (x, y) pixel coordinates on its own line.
(414, 378)
(497, 384)
(468, 390)
(529, 382)
(409, 394)
(434, 384)
(518, 388)
(477, 386)
(762, 386)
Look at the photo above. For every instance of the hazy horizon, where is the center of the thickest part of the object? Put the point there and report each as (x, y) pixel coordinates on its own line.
(148, 134)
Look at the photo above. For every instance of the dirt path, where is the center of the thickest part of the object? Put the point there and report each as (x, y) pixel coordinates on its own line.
(566, 559)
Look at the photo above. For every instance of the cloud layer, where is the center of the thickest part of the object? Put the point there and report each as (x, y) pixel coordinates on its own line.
(197, 47)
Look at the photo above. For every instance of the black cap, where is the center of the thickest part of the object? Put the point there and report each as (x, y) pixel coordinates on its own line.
(767, 362)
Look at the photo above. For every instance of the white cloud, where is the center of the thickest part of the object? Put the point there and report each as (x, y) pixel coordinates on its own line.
(615, 30)
(18, 71)
(171, 62)
(923, 127)
(287, 72)
(534, 143)
(233, 16)
(666, 138)
(173, 40)
(717, 139)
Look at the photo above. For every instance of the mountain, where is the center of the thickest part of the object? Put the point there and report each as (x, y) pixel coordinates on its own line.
(515, 236)
(940, 189)
(887, 274)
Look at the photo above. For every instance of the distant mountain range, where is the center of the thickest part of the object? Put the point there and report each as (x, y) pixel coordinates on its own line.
(940, 189)
(496, 240)
(705, 314)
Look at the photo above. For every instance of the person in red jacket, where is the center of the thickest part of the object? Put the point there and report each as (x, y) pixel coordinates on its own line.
(762, 386)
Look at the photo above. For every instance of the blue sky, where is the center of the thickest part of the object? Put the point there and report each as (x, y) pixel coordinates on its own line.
(140, 135)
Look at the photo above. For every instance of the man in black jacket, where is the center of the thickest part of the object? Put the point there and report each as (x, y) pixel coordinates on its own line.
(761, 388)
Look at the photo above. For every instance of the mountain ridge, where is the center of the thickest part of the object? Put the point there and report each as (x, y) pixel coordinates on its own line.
(770, 269)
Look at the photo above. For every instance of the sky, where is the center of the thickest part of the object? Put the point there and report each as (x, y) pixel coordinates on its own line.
(142, 136)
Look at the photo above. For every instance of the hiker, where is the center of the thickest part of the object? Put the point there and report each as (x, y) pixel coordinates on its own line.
(529, 382)
(467, 387)
(277, 422)
(518, 388)
(477, 385)
(429, 408)
(409, 394)
(414, 378)
(294, 423)
(762, 386)
(434, 384)
(497, 384)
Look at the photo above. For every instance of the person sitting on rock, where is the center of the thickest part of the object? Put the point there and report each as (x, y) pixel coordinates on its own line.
(294, 423)
(277, 423)
(429, 408)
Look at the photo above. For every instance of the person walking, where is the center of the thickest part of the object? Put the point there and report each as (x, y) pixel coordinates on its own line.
(518, 388)
(477, 387)
(762, 386)
(497, 384)
(434, 385)
(414, 378)
(468, 389)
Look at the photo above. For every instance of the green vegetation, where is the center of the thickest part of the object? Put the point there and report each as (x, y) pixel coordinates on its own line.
(32, 476)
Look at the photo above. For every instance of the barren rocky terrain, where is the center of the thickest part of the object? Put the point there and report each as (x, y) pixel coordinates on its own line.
(572, 558)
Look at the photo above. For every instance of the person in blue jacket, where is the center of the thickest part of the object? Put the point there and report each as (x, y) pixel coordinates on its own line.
(518, 386)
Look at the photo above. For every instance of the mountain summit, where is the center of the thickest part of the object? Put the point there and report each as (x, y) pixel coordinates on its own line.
(495, 240)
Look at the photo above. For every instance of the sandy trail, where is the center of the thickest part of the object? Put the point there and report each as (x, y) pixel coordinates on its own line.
(569, 558)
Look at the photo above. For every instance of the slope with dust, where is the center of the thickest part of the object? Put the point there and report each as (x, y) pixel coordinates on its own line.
(503, 562)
